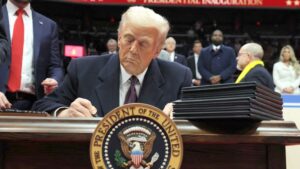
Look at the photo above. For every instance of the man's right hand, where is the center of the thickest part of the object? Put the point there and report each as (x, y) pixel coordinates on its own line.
(288, 90)
(196, 82)
(79, 108)
(4, 103)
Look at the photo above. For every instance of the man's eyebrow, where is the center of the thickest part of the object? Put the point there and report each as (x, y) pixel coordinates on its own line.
(128, 35)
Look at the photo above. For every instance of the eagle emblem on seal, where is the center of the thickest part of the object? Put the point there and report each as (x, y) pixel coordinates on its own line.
(136, 144)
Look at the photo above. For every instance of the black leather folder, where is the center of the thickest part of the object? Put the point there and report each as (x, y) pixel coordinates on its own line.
(244, 114)
(229, 101)
(246, 86)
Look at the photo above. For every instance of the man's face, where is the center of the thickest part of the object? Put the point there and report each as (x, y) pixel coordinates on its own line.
(243, 59)
(217, 38)
(111, 47)
(170, 46)
(286, 55)
(197, 48)
(137, 47)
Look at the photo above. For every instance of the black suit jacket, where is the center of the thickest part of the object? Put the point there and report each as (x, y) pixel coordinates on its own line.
(98, 79)
(261, 76)
(4, 45)
(46, 56)
(180, 59)
(221, 63)
(191, 64)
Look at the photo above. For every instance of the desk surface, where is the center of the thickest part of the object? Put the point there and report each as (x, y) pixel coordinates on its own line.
(80, 130)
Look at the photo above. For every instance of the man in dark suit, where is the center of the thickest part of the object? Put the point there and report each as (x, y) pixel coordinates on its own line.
(4, 46)
(173, 56)
(192, 62)
(34, 67)
(249, 61)
(100, 84)
(217, 62)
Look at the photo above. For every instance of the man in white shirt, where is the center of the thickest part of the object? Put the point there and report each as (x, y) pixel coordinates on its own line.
(35, 65)
(192, 62)
(97, 85)
(217, 62)
(173, 56)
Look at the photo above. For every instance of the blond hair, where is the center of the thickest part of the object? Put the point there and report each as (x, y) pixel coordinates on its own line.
(144, 17)
(293, 59)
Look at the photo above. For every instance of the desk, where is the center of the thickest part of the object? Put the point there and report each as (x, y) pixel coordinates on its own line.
(291, 112)
(47, 143)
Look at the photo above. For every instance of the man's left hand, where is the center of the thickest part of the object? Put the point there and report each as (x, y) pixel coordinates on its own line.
(49, 85)
(168, 110)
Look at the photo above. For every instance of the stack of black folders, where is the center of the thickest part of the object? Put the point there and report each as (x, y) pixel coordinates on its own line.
(248, 101)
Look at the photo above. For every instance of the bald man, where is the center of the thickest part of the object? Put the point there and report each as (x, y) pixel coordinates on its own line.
(249, 61)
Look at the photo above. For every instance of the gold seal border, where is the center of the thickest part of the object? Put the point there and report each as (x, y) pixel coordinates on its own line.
(137, 110)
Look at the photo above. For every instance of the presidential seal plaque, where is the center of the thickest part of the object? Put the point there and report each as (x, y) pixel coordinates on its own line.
(136, 136)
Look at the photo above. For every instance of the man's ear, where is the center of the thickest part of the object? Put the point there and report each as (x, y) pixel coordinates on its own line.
(157, 52)
(159, 48)
(251, 56)
(119, 39)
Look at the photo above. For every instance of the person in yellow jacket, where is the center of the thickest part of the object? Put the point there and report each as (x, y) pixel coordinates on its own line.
(249, 61)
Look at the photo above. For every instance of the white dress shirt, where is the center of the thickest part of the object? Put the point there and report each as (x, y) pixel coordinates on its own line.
(285, 76)
(198, 75)
(172, 56)
(125, 84)
(216, 48)
(27, 78)
(112, 52)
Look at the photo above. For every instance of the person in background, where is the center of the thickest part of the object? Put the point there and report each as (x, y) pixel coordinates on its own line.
(34, 67)
(217, 62)
(192, 62)
(112, 47)
(249, 61)
(97, 85)
(286, 72)
(170, 45)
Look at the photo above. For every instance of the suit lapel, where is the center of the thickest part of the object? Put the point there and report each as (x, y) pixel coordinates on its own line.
(176, 58)
(108, 88)
(194, 65)
(151, 91)
(37, 30)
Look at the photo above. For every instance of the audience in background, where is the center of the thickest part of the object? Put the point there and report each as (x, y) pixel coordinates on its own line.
(34, 67)
(286, 72)
(192, 62)
(249, 61)
(170, 45)
(217, 62)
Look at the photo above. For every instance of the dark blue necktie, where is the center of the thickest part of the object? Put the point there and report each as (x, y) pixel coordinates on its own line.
(131, 96)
